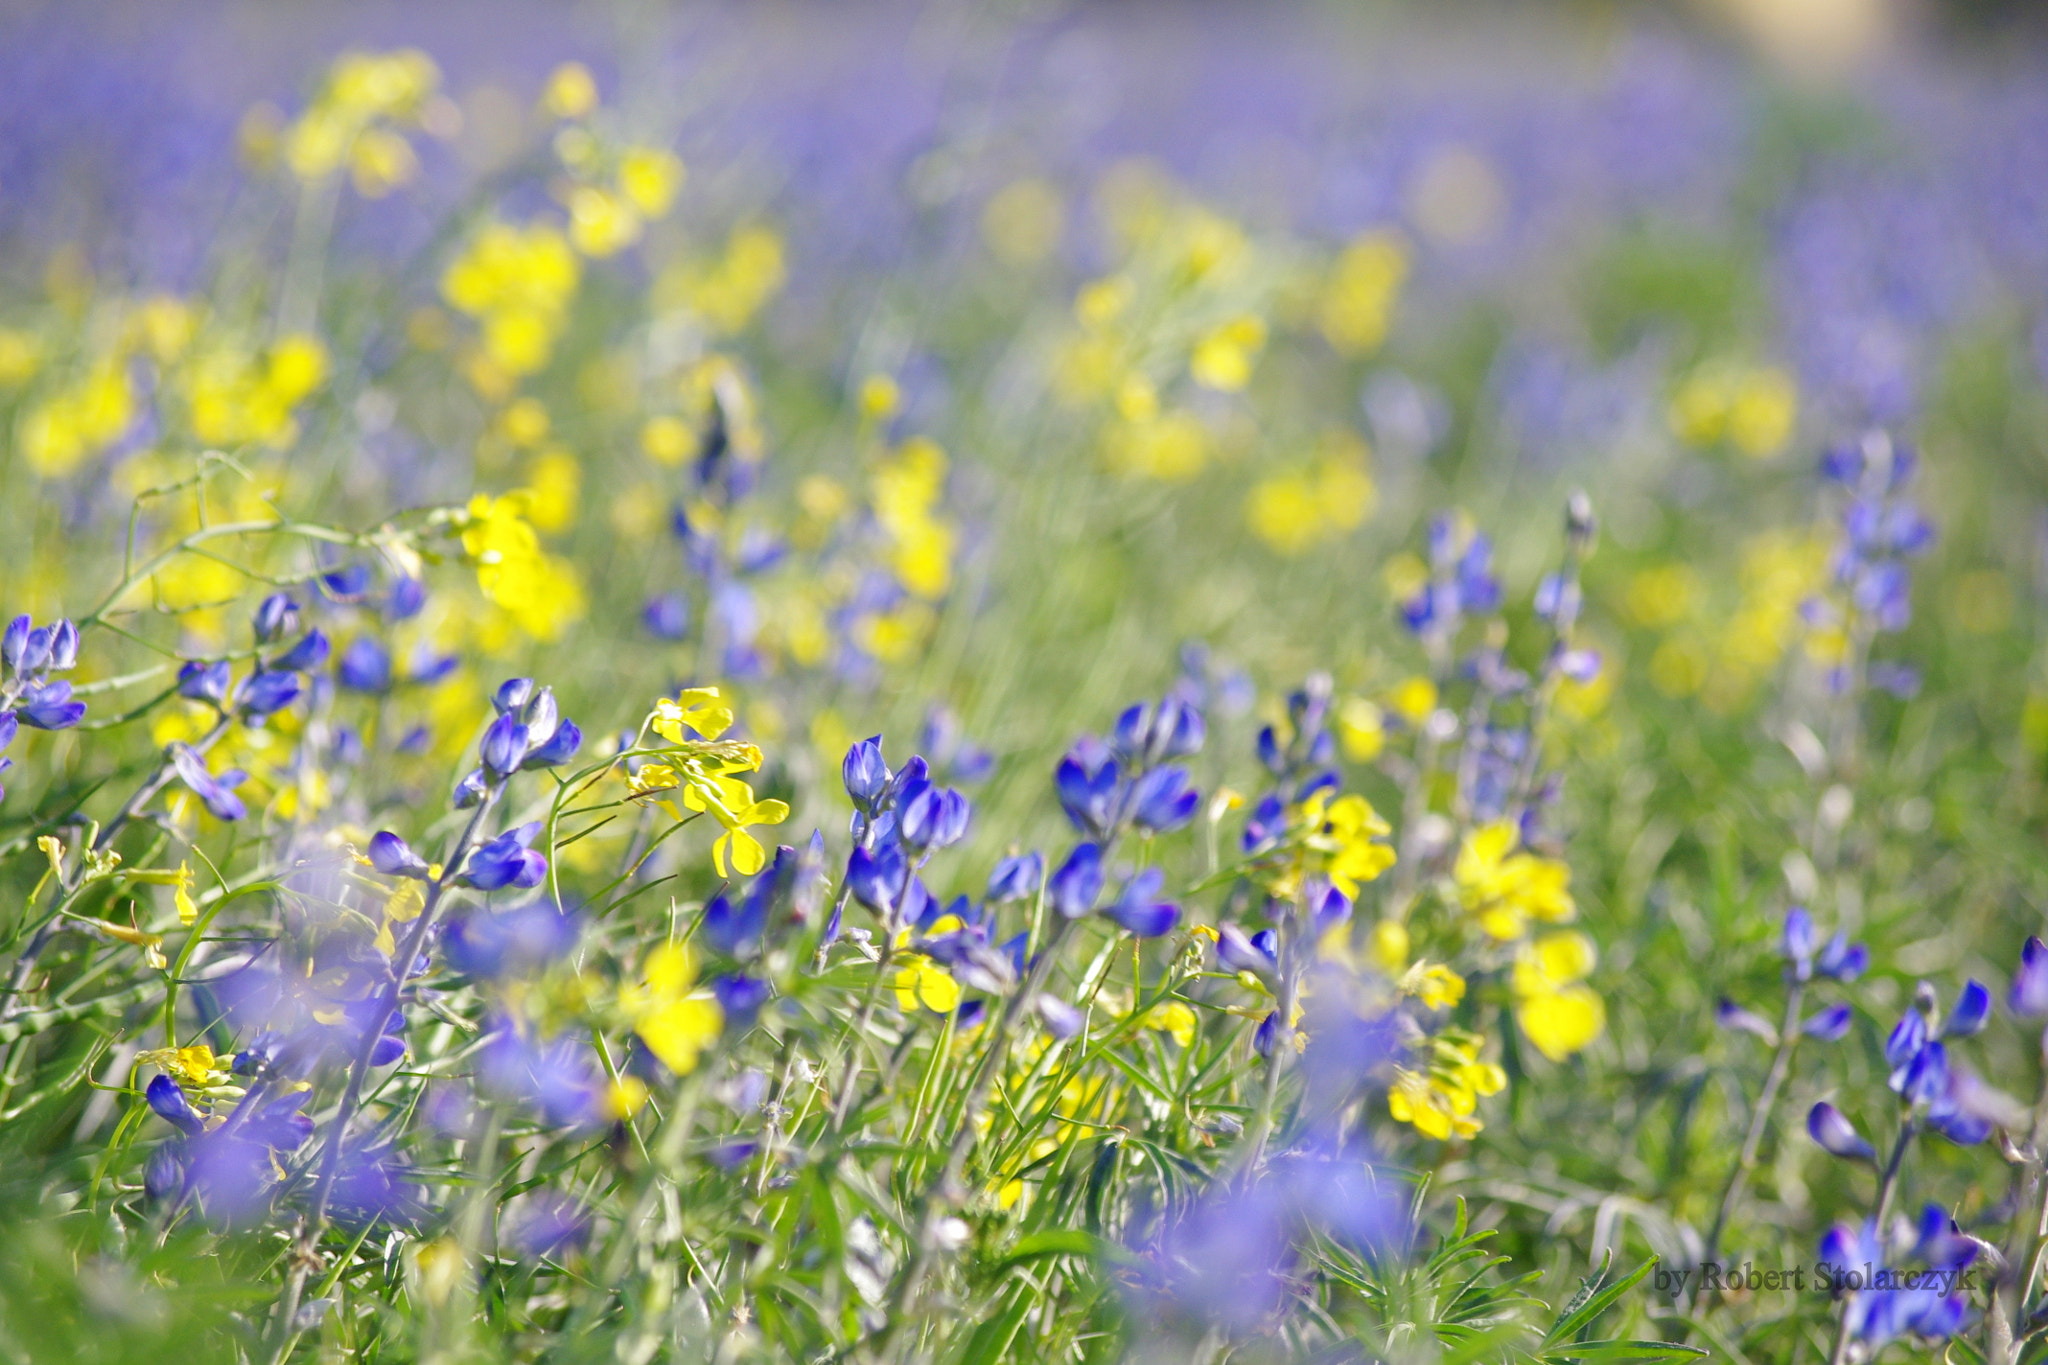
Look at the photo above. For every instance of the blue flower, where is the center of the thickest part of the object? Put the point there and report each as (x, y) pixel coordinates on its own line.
(1797, 941)
(308, 654)
(1238, 953)
(1140, 911)
(1015, 878)
(1062, 1020)
(560, 747)
(865, 774)
(503, 747)
(265, 694)
(736, 931)
(393, 857)
(216, 792)
(365, 666)
(206, 682)
(276, 616)
(1086, 780)
(48, 706)
(1077, 884)
(170, 1104)
(1842, 960)
(1836, 1135)
(1732, 1016)
(508, 944)
(880, 880)
(741, 998)
(1972, 1012)
(667, 617)
(508, 860)
(470, 790)
(1831, 1024)
(1163, 800)
(2028, 996)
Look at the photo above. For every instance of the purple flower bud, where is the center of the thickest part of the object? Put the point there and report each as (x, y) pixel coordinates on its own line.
(865, 774)
(512, 695)
(276, 616)
(170, 1104)
(470, 790)
(394, 857)
(1163, 800)
(265, 694)
(1830, 1025)
(507, 861)
(308, 654)
(1836, 1135)
(1241, 954)
(365, 666)
(14, 642)
(1730, 1015)
(2029, 994)
(1140, 911)
(1842, 960)
(64, 647)
(1972, 1012)
(216, 792)
(48, 706)
(1797, 943)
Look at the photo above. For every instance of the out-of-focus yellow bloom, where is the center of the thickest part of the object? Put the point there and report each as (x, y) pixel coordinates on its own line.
(1753, 408)
(1389, 946)
(1174, 1018)
(1553, 1007)
(905, 490)
(518, 283)
(1346, 833)
(354, 123)
(1435, 985)
(602, 222)
(1101, 302)
(729, 291)
(20, 355)
(1022, 223)
(676, 1022)
(524, 422)
(1504, 889)
(666, 440)
(880, 397)
(65, 429)
(554, 486)
(1361, 729)
(1223, 357)
(1296, 511)
(571, 91)
(1171, 447)
(1364, 285)
(1413, 699)
(1662, 595)
(541, 593)
(650, 178)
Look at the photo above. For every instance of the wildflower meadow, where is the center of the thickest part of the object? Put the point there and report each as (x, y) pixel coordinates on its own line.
(1056, 682)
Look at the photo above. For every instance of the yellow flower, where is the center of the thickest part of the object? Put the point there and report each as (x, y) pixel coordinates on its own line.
(1361, 729)
(697, 709)
(1358, 301)
(195, 1065)
(571, 91)
(1223, 358)
(676, 1023)
(921, 981)
(650, 178)
(181, 896)
(602, 222)
(1436, 986)
(1554, 1009)
(1175, 1019)
(1349, 827)
(1444, 1101)
(1505, 889)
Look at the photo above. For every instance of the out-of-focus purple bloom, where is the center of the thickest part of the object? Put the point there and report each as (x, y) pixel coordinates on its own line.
(1077, 885)
(2028, 995)
(1831, 1024)
(1062, 1020)
(305, 656)
(546, 1223)
(741, 998)
(1163, 800)
(471, 789)
(511, 944)
(1842, 960)
(560, 747)
(276, 617)
(267, 693)
(1139, 909)
(1730, 1015)
(1239, 953)
(1797, 941)
(364, 666)
(217, 793)
(1086, 780)
(1015, 878)
(667, 617)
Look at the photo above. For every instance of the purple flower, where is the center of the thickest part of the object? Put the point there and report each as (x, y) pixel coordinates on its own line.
(1971, 1014)
(1140, 911)
(2029, 994)
(559, 748)
(1730, 1015)
(508, 860)
(1015, 878)
(394, 857)
(1077, 884)
(206, 682)
(265, 694)
(365, 666)
(1086, 780)
(305, 656)
(1831, 1024)
(503, 747)
(48, 706)
(1062, 1020)
(865, 774)
(1842, 960)
(1163, 800)
(216, 792)
(1836, 1135)
(276, 616)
